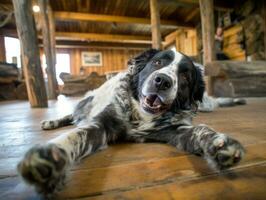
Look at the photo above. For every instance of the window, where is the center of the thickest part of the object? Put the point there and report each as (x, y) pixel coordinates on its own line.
(12, 47)
(62, 65)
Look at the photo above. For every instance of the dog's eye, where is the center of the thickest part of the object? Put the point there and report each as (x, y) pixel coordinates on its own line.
(157, 62)
(184, 77)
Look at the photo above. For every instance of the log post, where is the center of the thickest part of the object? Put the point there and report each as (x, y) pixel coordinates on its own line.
(264, 19)
(30, 53)
(2, 49)
(48, 33)
(155, 24)
(207, 27)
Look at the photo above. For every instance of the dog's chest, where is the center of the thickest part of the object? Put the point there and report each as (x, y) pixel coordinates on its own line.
(138, 118)
(143, 124)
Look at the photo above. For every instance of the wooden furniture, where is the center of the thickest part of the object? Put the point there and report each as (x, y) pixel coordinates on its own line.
(78, 85)
(11, 87)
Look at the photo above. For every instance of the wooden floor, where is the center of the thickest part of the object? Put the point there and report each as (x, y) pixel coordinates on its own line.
(140, 171)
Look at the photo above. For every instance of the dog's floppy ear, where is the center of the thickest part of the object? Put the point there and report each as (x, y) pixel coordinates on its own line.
(199, 86)
(137, 63)
(188, 97)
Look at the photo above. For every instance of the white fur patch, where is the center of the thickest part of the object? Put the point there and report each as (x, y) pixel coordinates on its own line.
(50, 124)
(103, 96)
(178, 57)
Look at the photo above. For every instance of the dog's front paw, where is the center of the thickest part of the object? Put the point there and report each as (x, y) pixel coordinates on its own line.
(45, 168)
(49, 124)
(224, 152)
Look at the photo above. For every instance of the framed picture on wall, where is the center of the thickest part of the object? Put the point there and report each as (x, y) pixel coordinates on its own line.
(91, 59)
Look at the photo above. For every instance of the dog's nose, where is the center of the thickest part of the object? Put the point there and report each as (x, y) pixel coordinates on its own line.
(162, 82)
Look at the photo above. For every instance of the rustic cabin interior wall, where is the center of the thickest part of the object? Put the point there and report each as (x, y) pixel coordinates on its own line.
(186, 42)
(245, 34)
(233, 45)
(113, 60)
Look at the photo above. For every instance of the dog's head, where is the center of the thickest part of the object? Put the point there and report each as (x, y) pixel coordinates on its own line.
(165, 81)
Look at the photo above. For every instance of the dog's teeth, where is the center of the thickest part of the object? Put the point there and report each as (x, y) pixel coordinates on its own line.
(157, 102)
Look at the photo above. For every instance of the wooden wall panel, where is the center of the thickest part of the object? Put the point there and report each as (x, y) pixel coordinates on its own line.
(75, 61)
(112, 59)
(186, 42)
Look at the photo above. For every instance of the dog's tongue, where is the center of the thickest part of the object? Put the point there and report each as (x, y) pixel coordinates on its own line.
(154, 100)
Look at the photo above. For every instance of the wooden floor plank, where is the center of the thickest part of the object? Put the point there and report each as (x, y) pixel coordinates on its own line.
(127, 176)
(245, 183)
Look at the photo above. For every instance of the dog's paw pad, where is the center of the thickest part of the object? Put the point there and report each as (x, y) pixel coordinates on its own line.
(224, 152)
(49, 124)
(44, 167)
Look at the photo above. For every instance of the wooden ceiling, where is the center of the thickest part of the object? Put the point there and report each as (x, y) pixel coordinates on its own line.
(118, 17)
(129, 8)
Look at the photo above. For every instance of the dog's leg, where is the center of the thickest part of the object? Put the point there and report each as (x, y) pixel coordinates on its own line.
(53, 124)
(45, 166)
(220, 150)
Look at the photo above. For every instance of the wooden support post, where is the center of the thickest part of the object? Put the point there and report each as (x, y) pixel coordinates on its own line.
(264, 19)
(48, 35)
(30, 53)
(2, 49)
(155, 24)
(207, 26)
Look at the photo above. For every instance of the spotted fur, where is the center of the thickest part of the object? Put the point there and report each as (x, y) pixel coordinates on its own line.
(116, 112)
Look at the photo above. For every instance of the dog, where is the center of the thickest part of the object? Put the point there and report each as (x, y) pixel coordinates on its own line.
(153, 101)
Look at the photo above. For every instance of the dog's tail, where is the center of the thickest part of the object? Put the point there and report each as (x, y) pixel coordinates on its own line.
(54, 124)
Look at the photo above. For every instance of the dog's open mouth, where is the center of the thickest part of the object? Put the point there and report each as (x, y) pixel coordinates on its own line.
(153, 104)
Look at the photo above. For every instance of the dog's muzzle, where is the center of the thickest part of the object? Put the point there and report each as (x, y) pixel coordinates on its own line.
(162, 82)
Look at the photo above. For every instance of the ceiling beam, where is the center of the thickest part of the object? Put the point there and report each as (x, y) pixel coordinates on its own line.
(77, 16)
(220, 5)
(89, 37)
(192, 14)
(103, 37)
(180, 2)
(61, 44)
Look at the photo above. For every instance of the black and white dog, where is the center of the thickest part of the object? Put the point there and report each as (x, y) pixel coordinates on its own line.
(154, 100)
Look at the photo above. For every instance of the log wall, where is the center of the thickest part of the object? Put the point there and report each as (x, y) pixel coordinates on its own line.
(186, 42)
(253, 24)
(112, 59)
(233, 43)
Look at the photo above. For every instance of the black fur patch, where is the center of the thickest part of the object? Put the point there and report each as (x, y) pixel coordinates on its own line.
(139, 63)
(114, 127)
(190, 88)
(82, 108)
